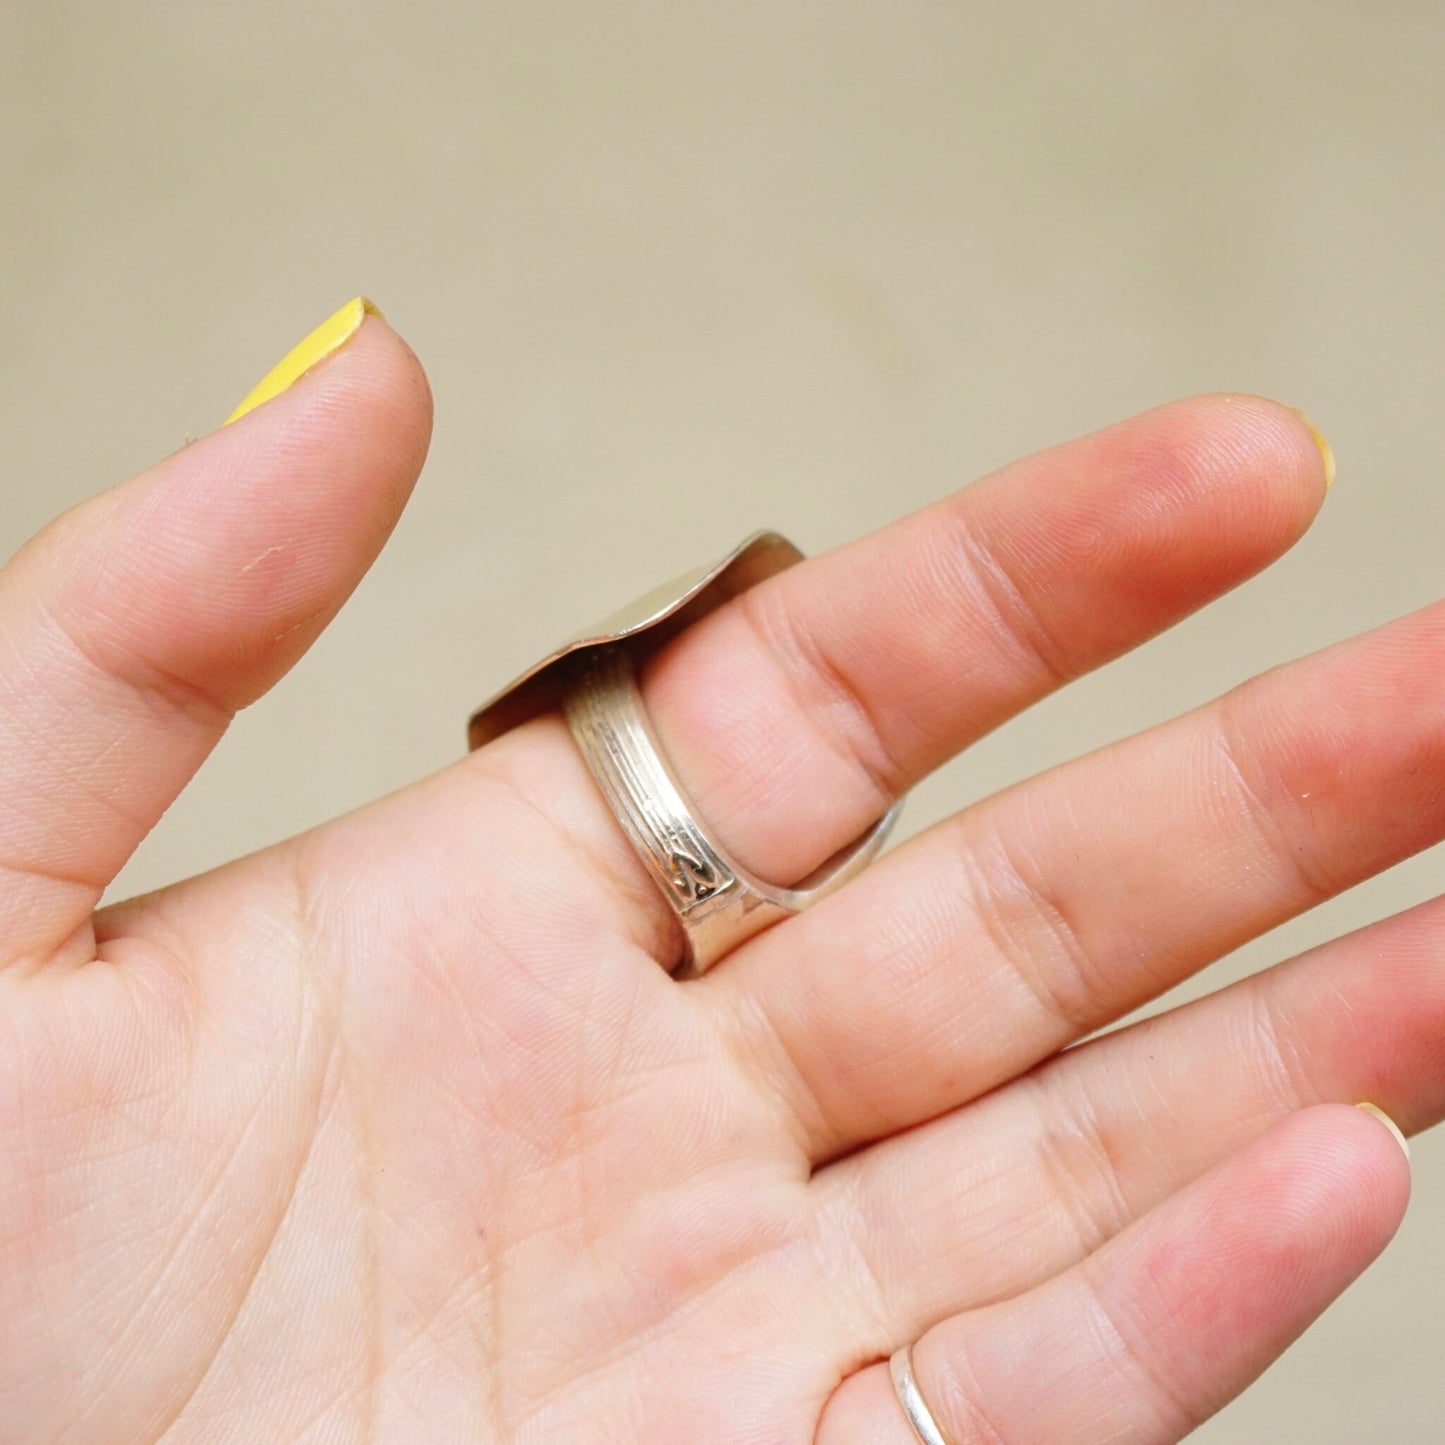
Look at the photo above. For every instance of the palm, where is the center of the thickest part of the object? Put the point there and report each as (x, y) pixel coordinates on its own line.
(397, 1181)
(399, 1131)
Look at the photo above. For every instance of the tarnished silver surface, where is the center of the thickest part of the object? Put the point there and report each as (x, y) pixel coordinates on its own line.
(900, 1366)
(592, 679)
(719, 903)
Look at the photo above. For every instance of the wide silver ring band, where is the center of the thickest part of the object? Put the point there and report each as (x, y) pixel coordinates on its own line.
(718, 902)
(900, 1366)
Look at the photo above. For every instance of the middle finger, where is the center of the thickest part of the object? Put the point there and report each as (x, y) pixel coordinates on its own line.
(1051, 909)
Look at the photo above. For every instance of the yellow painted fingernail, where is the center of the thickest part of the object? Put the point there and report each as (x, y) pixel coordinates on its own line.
(332, 334)
(1322, 442)
(1388, 1122)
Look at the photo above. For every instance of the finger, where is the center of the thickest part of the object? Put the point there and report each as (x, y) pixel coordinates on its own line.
(135, 626)
(1167, 1322)
(1015, 1188)
(796, 715)
(1046, 911)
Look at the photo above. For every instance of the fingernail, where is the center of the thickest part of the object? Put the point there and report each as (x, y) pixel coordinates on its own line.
(332, 334)
(1322, 442)
(1389, 1123)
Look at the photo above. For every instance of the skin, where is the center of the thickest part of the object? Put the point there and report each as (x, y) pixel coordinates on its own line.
(400, 1130)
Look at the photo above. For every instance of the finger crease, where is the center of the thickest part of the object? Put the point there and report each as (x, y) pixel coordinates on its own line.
(963, 1390)
(771, 1066)
(144, 675)
(1264, 819)
(1129, 1359)
(1017, 618)
(995, 891)
(1085, 1180)
(817, 683)
(874, 1296)
(1281, 1067)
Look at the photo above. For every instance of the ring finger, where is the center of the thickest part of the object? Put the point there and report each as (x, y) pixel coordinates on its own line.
(993, 1199)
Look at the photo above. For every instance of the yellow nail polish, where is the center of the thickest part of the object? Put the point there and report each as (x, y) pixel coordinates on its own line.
(1322, 442)
(1377, 1112)
(332, 334)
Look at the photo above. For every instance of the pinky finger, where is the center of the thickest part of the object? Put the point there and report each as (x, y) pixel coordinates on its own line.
(1172, 1318)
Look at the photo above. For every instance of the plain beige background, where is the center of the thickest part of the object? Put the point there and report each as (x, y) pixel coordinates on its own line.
(679, 270)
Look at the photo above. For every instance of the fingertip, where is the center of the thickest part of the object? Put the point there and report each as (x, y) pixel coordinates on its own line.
(354, 362)
(1183, 502)
(222, 562)
(1346, 1163)
(1322, 445)
(1396, 1133)
(371, 388)
(1263, 447)
(352, 425)
(318, 343)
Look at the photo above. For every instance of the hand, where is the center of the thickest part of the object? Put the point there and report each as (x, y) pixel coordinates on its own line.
(400, 1130)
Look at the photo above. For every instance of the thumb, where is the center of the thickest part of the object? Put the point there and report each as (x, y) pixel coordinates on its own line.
(135, 626)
